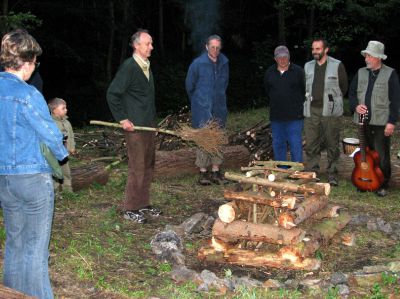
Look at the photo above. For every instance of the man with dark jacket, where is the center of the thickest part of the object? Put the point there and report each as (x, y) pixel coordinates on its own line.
(206, 84)
(375, 90)
(285, 88)
(131, 101)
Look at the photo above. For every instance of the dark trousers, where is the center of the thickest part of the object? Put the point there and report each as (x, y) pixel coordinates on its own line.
(376, 140)
(141, 155)
(322, 132)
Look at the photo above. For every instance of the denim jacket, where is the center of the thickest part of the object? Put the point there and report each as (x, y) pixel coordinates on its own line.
(25, 122)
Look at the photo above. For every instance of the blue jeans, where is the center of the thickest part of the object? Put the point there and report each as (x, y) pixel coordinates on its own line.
(284, 132)
(28, 204)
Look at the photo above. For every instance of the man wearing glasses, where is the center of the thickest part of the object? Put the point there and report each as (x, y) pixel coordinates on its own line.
(206, 84)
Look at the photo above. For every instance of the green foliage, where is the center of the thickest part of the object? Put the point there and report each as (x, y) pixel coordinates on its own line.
(2, 234)
(333, 293)
(319, 255)
(389, 279)
(13, 20)
(377, 292)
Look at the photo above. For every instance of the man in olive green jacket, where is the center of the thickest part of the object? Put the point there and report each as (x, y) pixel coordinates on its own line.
(130, 97)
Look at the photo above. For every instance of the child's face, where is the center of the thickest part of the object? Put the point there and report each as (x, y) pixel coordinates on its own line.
(60, 110)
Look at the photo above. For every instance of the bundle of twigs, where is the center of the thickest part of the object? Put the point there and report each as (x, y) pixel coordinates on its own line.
(210, 138)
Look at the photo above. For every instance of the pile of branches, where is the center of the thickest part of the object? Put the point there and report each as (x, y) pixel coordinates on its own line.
(257, 139)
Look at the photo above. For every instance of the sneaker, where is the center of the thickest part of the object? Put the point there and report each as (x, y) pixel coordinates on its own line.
(135, 216)
(217, 178)
(152, 211)
(204, 179)
(382, 192)
(332, 180)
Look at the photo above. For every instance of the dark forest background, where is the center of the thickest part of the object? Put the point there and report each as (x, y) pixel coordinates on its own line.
(84, 41)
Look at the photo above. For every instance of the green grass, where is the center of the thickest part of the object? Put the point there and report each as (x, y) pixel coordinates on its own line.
(93, 248)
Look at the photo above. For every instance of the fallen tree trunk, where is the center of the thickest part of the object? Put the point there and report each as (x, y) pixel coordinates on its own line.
(242, 257)
(313, 188)
(241, 230)
(306, 209)
(181, 162)
(85, 175)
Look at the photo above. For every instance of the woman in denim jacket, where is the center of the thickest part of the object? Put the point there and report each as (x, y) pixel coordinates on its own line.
(26, 187)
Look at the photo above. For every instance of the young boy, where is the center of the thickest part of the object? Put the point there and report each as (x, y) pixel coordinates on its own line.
(58, 109)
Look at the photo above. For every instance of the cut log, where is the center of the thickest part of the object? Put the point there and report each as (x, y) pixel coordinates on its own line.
(219, 245)
(292, 166)
(241, 230)
(313, 188)
(181, 162)
(228, 212)
(306, 209)
(329, 211)
(321, 234)
(85, 175)
(325, 230)
(7, 293)
(252, 258)
(288, 201)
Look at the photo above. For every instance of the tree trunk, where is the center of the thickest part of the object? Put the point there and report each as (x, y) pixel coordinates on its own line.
(86, 175)
(256, 259)
(181, 162)
(161, 26)
(110, 50)
(281, 23)
(313, 188)
(241, 230)
(124, 33)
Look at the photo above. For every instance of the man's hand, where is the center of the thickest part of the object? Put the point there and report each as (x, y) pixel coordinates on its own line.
(361, 109)
(127, 125)
(389, 129)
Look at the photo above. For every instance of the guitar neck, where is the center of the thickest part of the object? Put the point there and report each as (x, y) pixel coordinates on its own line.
(361, 136)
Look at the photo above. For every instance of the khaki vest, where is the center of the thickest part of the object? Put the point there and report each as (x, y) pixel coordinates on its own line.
(333, 98)
(379, 97)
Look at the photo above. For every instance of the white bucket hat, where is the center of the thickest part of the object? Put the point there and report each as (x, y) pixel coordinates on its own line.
(375, 49)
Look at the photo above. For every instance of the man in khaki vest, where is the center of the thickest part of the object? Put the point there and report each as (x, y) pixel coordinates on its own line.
(375, 90)
(326, 84)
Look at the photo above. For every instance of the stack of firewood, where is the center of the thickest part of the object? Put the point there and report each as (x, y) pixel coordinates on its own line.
(257, 139)
(277, 217)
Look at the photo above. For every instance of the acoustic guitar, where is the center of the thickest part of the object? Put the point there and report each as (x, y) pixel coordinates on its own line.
(366, 176)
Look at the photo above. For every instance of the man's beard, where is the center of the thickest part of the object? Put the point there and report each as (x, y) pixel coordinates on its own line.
(318, 56)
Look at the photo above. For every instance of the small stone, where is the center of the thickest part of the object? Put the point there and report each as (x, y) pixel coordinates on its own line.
(338, 278)
(291, 283)
(375, 269)
(394, 266)
(371, 225)
(272, 284)
(343, 290)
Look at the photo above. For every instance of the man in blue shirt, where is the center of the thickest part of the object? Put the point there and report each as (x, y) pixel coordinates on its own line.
(206, 84)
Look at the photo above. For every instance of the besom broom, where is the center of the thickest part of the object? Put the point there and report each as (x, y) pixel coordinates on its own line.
(210, 138)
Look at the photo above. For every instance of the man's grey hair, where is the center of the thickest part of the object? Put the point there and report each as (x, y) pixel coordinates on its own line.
(214, 36)
(135, 38)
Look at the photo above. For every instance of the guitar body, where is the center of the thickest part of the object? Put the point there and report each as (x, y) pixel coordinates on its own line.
(367, 176)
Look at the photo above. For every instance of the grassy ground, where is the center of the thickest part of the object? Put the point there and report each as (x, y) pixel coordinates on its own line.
(96, 254)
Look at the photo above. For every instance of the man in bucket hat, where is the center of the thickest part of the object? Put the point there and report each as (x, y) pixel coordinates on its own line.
(375, 90)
